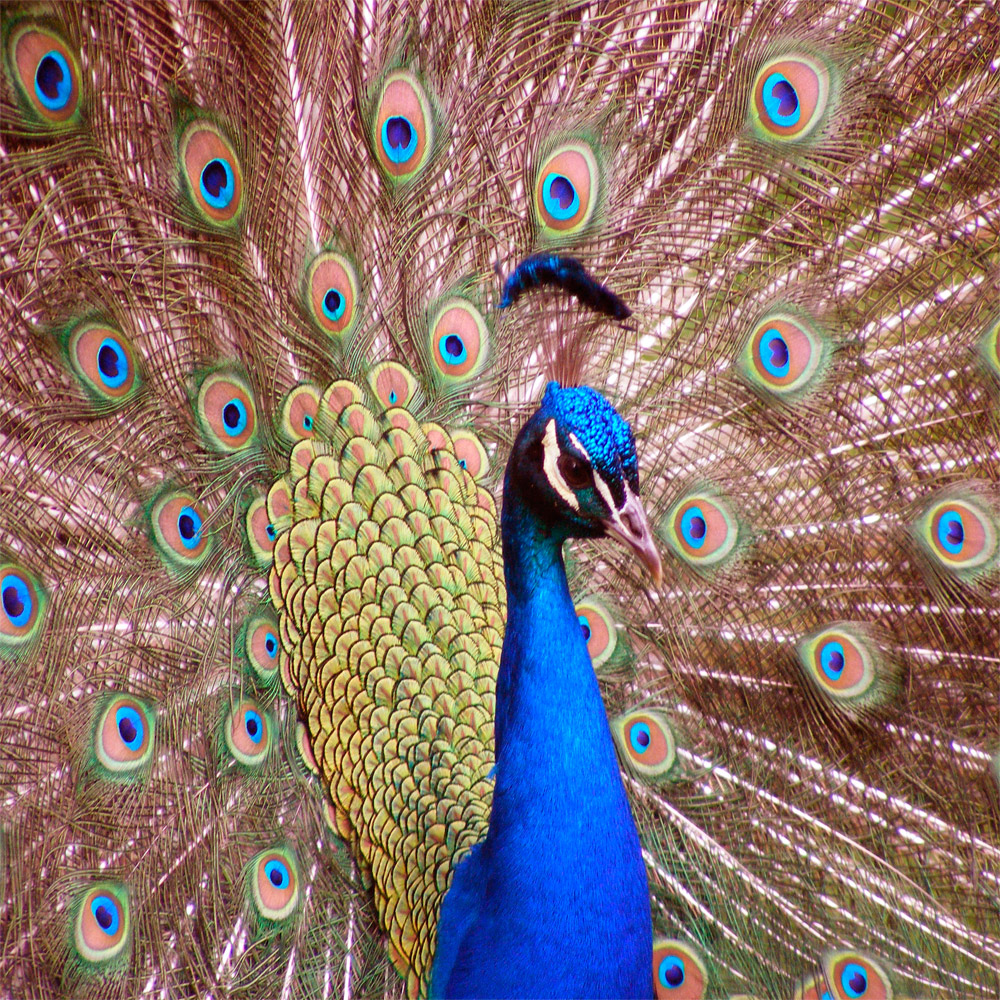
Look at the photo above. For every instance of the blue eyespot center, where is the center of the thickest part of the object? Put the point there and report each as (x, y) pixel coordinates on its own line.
(234, 417)
(271, 533)
(393, 398)
(254, 726)
(559, 197)
(218, 186)
(831, 659)
(276, 872)
(694, 527)
(781, 101)
(334, 304)
(854, 980)
(584, 627)
(189, 527)
(399, 139)
(639, 737)
(17, 600)
(112, 363)
(307, 423)
(53, 82)
(271, 644)
(452, 349)
(671, 972)
(105, 913)
(951, 532)
(774, 353)
(130, 727)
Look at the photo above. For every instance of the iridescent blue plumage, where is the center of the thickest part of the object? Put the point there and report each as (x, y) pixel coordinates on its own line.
(555, 901)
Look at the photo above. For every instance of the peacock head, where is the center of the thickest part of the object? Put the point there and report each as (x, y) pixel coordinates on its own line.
(575, 467)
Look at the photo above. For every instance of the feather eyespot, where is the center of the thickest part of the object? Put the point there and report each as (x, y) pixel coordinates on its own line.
(989, 348)
(332, 293)
(392, 384)
(702, 530)
(403, 126)
(678, 971)
(261, 647)
(46, 72)
(274, 884)
(248, 733)
(261, 534)
(102, 926)
(103, 360)
(22, 609)
(459, 338)
(646, 743)
(179, 530)
(846, 664)
(959, 534)
(598, 630)
(211, 173)
(566, 189)
(852, 975)
(299, 411)
(790, 97)
(470, 453)
(785, 356)
(226, 413)
(123, 737)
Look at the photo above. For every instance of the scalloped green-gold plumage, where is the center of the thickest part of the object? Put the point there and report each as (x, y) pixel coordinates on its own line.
(393, 384)
(45, 71)
(390, 571)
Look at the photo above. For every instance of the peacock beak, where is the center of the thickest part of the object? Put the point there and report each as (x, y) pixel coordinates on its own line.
(630, 525)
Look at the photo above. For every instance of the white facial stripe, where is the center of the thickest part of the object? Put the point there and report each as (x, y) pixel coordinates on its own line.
(602, 486)
(550, 463)
(616, 514)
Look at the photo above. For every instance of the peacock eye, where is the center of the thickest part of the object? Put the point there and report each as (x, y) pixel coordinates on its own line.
(575, 471)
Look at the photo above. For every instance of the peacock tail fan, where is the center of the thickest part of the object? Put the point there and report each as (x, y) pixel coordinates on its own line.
(258, 384)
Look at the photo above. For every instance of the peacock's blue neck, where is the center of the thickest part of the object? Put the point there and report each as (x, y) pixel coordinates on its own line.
(555, 901)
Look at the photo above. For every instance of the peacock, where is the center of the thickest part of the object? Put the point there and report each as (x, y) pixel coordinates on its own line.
(337, 339)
